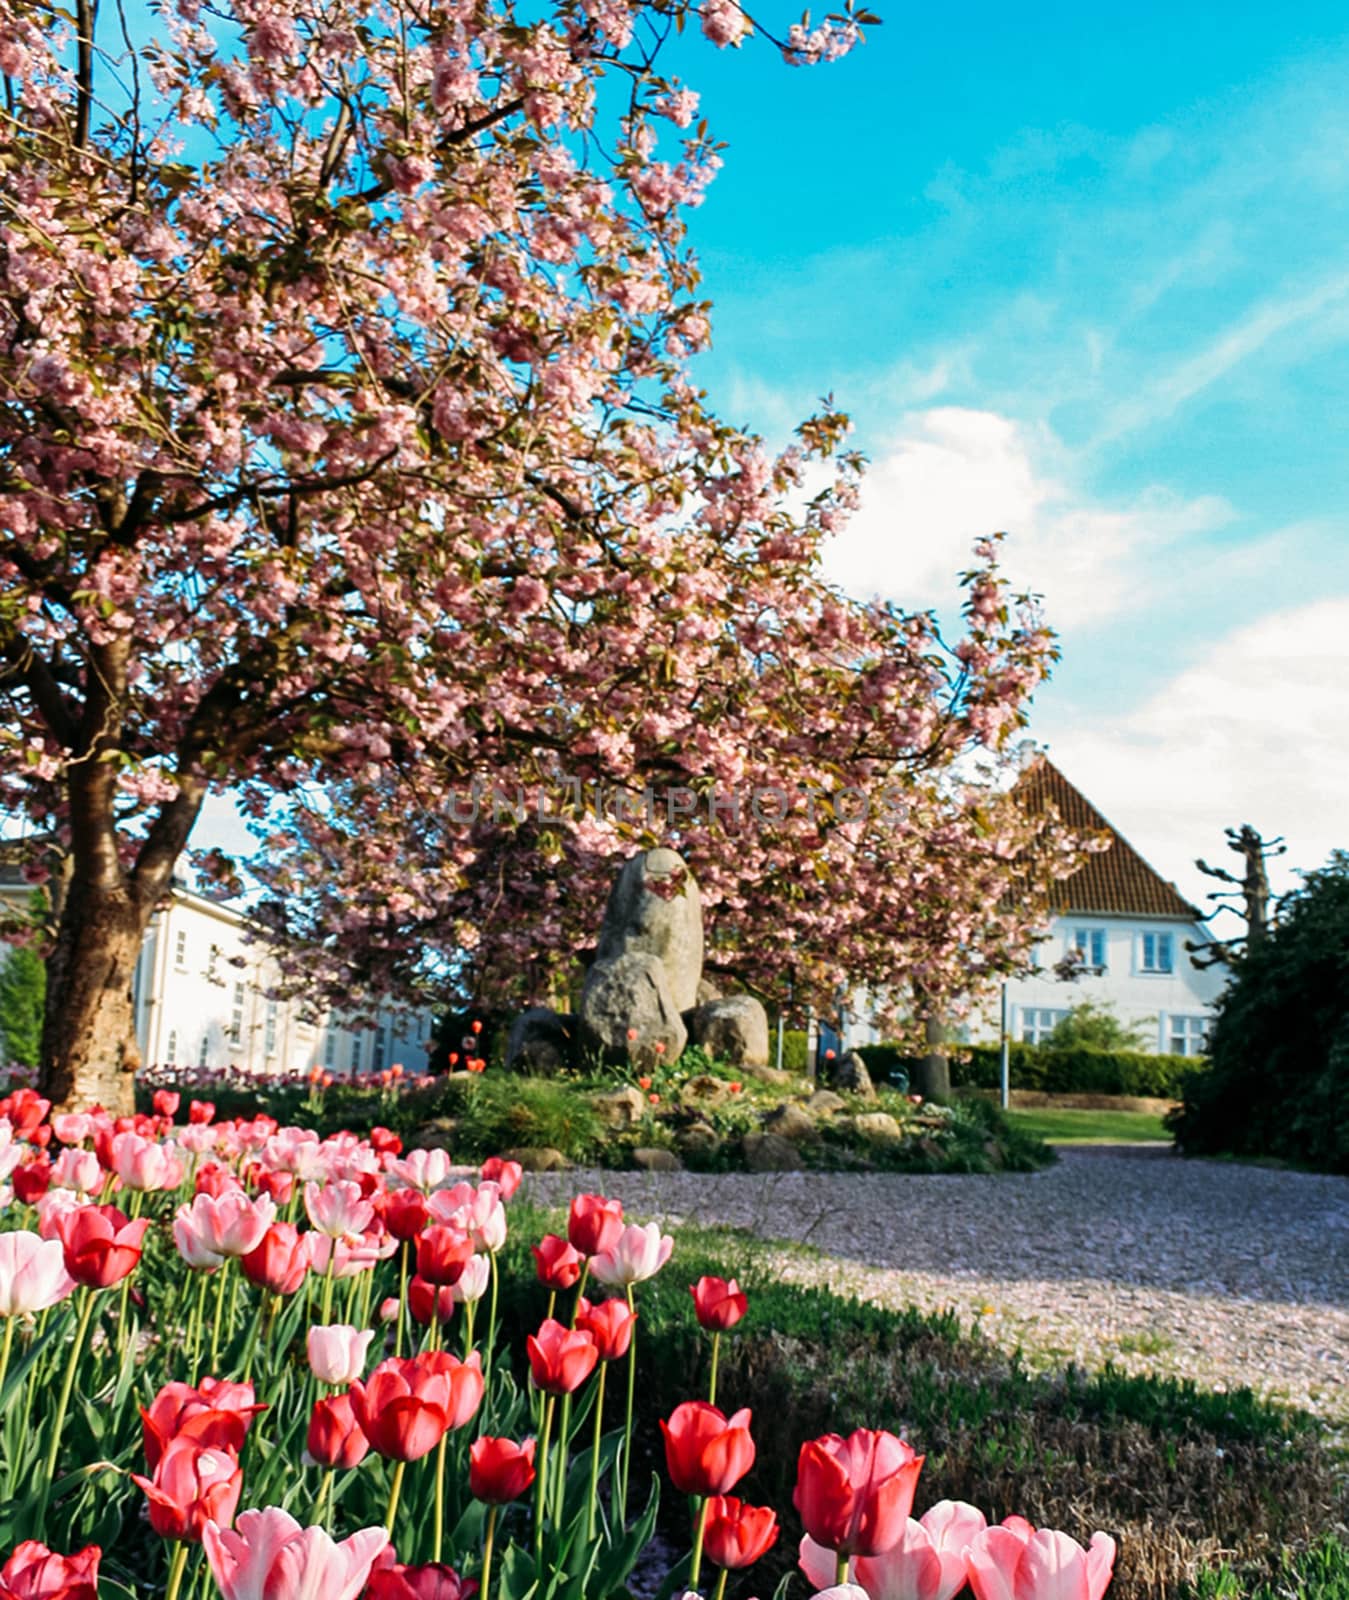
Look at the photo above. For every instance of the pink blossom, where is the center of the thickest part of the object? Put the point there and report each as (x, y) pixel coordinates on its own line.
(337, 1352)
(269, 1554)
(639, 1253)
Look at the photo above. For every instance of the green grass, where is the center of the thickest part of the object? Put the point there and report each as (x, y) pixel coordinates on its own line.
(1089, 1127)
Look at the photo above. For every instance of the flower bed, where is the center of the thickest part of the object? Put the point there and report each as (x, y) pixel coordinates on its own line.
(240, 1358)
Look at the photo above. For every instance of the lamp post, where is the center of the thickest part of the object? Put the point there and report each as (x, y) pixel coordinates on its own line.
(1005, 1064)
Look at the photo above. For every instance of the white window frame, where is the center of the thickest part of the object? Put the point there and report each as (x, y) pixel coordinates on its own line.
(1156, 970)
(1036, 1023)
(180, 950)
(1193, 1037)
(1081, 942)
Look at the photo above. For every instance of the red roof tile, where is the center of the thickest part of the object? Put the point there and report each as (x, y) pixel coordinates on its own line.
(1115, 881)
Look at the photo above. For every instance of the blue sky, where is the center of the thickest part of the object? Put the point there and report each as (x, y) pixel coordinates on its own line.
(1083, 275)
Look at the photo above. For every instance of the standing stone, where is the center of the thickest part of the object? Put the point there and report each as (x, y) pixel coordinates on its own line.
(734, 1030)
(655, 909)
(851, 1074)
(631, 995)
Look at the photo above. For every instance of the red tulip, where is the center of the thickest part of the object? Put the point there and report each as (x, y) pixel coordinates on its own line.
(385, 1142)
(505, 1174)
(101, 1245)
(215, 1180)
(465, 1381)
(560, 1359)
(25, 1110)
(594, 1223)
(609, 1324)
(33, 1572)
(403, 1212)
(718, 1303)
(706, 1452)
(434, 1581)
(854, 1495)
(441, 1255)
(557, 1263)
(335, 1438)
(193, 1484)
(32, 1180)
(427, 1300)
(736, 1535)
(217, 1413)
(278, 1185)
(499, 1469)
(403, 1408)
(201, 1112)
(166, 1102)
(280, 1261)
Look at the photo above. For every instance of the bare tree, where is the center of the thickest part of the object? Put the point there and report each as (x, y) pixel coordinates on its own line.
(1251, 889)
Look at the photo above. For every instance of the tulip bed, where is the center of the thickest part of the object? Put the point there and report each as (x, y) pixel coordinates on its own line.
(240, 1359)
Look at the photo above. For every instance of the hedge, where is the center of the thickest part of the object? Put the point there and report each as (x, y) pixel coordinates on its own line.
(1078, 1070)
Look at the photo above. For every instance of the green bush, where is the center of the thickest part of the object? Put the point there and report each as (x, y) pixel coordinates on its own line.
(507, 1112)
(1081, 1070)
(795, 1054)
(1277, 1083)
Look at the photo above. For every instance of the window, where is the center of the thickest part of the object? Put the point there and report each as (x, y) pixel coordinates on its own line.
(1088, 945)
(1186, 1036)
(180, 951)
(171, 1049)
(355, 1055)
(1155, 952)
(1038, 1022)
(204, 1053)
(269, 1030)
(381, 1049)
(330, 1048)
(237, 1016)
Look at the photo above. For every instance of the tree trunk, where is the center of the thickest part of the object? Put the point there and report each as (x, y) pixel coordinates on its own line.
(934, 1070)
(89, 1053)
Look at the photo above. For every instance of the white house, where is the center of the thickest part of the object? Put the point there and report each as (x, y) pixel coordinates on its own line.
(203, 997)
(1127, 929)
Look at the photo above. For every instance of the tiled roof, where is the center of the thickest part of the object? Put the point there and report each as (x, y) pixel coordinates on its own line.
(1115, 881)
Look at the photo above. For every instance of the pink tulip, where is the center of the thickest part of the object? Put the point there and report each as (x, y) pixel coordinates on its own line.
(928, 1563)
(78, 1170)
(351, 1256)
(472, 1282)
(339, 1210)
(269, 1554)
(636, 1255)
(1013, 1562)
(33, 1274)
(229, 1224)
(427, 1170)
(337, 1352)
(145, 1164)
(73, 1127)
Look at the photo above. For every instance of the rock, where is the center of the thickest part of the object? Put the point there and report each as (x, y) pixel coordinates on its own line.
(778, 1077)
(705, 1089)
(877, 1127)
(707, 990)
(698, 1139)
(734, 1030)
(631, 993)
(655, 909)
(651, 1158)
(769, 1152)
(538, 1158)
(620, 1108)
(825, 1103)
(791, 1122)
(541, 1042)
(851, 1073)
(437, 1135)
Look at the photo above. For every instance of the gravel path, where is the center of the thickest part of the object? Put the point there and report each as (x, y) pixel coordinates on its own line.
(1227, 1274)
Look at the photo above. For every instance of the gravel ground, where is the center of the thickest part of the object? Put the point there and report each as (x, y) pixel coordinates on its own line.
(1230, 1275)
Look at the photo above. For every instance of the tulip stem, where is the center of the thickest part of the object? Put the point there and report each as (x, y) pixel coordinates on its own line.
(215, 1322)
(5, 1349)
(67, 1384)
(716, 1351)
(699, 1527)
(490, 1344)
(540, 1486)
(622, 1485)
(176, 1566)
(552, 1304)
(328, 1282)
(393, 1497)
(720, 1593)
(438, 1526)
(595, 1455)
(841, 1568)
(324, 1499)
(402, 1298)
(486, 1576)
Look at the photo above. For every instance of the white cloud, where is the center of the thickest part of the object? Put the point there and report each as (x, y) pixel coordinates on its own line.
(952, 474)
(1253, 731)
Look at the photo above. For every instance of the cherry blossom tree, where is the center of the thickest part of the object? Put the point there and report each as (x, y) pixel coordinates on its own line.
(350, 451)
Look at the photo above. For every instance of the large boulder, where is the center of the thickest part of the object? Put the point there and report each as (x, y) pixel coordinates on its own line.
(851, 1074)
(791, 1122)
(769, 1152)
(655, 909)
(734, 1029)
(627, 1010)
(541, 1042)
(620, 1108)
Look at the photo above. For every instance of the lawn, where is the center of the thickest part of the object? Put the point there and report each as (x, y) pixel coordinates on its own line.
(1088, 1127)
